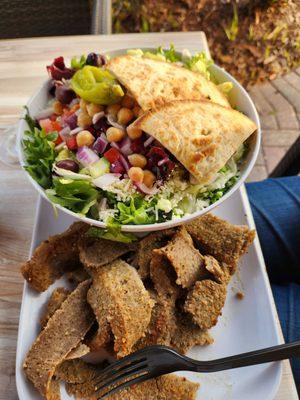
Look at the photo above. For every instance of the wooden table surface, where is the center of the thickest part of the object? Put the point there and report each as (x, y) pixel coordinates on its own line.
(22, 70)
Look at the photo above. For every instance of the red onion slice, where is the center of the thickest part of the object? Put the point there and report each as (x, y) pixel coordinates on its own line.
(76, 130)
(97, 116)
(163, 161)
(124, 162)
(112, 121)
(125, 146)
(65, 133)
(86, 156)
(144, 189)
(100, 144)
(70, 120)
(148, 141)
(115, 145)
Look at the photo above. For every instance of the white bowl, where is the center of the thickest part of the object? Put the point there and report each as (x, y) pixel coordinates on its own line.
(239, 98)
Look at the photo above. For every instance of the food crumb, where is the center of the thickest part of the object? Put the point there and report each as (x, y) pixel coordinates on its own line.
(240, 295)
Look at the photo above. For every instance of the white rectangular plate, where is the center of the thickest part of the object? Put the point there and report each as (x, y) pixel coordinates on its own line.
(245, 325)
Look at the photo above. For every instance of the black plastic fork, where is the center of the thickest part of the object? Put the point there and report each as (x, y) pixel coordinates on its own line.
(154, 361)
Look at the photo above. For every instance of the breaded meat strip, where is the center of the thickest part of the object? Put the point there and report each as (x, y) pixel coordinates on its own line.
(167, 387)
(143, 255)
(186, 335)
(77, 371)
(205, 302)
(176, 388)
(216, 237)
(186, 260)
(161, 324)
(79, 351)
(53, 257)
(163, 276)
(118, 296)
(63, 332)
(219, 272)
(58, 296)
(96, 252)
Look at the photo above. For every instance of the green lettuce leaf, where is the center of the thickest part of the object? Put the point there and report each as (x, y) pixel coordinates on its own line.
(136, 212)
(170, 55)
(78, 63)
(199, 63)
(112, 232)
(78, 196)
(30, 121)
(38, 148)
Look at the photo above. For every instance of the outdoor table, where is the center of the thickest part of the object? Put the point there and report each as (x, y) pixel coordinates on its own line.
(22, 70)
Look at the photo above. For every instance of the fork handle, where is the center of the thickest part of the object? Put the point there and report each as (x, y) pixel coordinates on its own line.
(276, 353)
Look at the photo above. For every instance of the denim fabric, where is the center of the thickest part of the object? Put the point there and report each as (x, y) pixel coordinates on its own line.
(275, 205)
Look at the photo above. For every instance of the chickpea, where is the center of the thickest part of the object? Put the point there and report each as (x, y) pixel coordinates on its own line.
(127, 101)
(125, 115)
(136, 174)
(137, 160)
(114, 134)
(83, 104)
(134, 132)
(113, 109)
(57, 108)
(84, 138)
(137, 111)
(93, 109)
(149, 178)
(84, 120)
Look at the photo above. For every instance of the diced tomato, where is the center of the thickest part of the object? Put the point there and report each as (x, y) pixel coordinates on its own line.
(112, 155)
(56, 126)
(46, 124)
(58, 140)
(72, 143)
(51, 126)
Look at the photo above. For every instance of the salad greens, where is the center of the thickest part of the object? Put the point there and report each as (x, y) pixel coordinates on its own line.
(197, 62)
(112, 232)
(39, 152)
(76, 195)
(78, 63)
(136, 212)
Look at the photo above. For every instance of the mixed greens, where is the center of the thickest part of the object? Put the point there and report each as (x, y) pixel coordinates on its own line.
(69, 154)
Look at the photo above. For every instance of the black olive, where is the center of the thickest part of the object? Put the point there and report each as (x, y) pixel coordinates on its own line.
(69, 165)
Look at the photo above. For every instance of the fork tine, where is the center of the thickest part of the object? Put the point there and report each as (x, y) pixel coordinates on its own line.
(114, 369)
(118, 376)
(131, 359)
(138, 379)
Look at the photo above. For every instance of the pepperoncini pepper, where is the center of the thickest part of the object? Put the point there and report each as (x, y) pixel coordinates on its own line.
(96, 85)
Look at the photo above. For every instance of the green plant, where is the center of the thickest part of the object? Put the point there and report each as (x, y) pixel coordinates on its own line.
(233, 29)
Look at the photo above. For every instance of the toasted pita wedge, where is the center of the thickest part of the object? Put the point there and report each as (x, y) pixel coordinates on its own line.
(153, 83)
(202, 135)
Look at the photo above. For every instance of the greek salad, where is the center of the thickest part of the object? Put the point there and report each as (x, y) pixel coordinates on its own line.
(80, 151)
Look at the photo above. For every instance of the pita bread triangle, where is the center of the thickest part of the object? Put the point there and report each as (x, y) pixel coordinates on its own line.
(202, 135)
(153, 83)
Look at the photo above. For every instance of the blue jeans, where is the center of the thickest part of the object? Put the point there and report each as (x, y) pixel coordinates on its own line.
(275, 205)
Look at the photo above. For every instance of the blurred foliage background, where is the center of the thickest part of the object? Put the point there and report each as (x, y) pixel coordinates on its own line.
(254, 40)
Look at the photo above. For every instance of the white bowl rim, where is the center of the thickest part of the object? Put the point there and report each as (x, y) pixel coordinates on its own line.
(159, 225)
